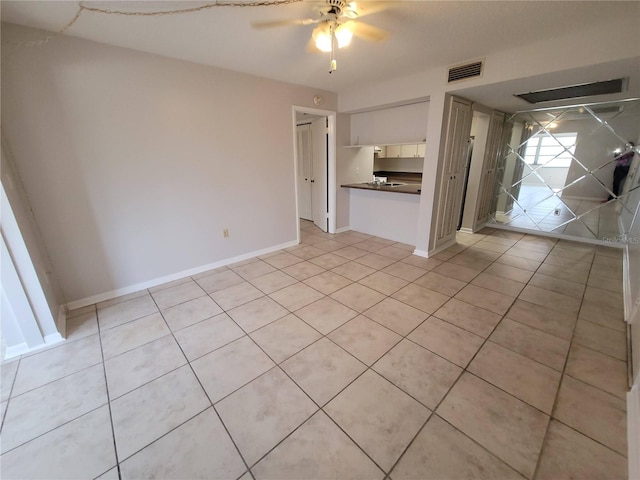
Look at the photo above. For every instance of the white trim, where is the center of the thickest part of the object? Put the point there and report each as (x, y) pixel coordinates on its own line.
(440, 248)
(61, 321)
(421, 253)
(15, 350)
(174, 276)
(468, 230)
(627, 294)
(51, 339)
(633, 431)
(343, 229)
(331, 154)
(22, 348)
(573, 197)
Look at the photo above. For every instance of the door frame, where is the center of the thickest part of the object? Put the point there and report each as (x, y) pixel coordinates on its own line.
(331, 163)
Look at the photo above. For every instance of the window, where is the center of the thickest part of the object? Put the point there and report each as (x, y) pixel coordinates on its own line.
(551, 151)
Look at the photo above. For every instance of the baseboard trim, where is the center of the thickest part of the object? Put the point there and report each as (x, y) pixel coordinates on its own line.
(23, 348)
(343, 229)
(437, 250)
(16, 350)
(633, 431)
(421, 253)
(101, 297)
(61, 321)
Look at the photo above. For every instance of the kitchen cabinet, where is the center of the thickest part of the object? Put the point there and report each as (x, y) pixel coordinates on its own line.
(381, 151)
(408, 150)
(393, 151)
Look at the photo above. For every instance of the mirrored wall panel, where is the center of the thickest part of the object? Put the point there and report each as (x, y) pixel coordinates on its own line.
(571, 171)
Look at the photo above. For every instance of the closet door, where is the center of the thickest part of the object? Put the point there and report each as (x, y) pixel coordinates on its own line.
(304, 171)
(458, 129)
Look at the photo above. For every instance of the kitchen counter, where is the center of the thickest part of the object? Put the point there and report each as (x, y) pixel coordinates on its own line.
(411, 188)
(385, 211)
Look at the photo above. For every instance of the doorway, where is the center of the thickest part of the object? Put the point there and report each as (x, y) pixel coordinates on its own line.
(314, 155)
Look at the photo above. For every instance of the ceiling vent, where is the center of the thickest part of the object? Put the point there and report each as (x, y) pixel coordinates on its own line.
(463, 72)
(575, 91)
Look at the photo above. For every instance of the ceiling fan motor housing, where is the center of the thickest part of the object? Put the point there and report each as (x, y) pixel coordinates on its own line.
(336, 5)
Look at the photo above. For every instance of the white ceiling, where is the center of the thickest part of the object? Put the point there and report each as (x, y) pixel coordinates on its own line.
(422, 34)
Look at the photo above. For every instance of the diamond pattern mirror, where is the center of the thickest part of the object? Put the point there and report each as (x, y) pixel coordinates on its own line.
(571, 171)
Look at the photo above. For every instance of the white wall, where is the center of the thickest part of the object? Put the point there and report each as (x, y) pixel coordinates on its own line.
(412, 165)
(595, 146)
(576, 48)
(26, 231)
(135, 163)
(353, 165)
(555, 177)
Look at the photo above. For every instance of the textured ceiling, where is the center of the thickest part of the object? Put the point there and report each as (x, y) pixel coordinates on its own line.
(422, 34)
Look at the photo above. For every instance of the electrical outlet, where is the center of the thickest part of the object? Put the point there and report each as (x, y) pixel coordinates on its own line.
(225, 233)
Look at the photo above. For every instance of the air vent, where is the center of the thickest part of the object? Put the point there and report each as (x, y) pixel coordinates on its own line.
(463, 72)
(575, 91)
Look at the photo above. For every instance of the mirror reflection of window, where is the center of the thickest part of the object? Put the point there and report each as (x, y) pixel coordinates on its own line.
(557, 171)
(551, 151)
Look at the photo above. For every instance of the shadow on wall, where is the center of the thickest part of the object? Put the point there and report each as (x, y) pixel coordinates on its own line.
(44, 149)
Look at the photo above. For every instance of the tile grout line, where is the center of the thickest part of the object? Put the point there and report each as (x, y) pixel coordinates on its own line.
(562, 377)
(326, 336)
(211, 405)
(106, 385)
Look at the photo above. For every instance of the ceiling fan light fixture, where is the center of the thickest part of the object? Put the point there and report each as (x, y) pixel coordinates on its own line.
(343, 35)
(322, 37)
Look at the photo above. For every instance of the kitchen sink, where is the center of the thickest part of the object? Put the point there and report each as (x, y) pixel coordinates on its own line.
(386, 184)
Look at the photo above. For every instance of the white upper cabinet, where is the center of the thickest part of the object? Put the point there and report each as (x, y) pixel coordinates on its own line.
(394, 125)
(407, 150)
(393, 151)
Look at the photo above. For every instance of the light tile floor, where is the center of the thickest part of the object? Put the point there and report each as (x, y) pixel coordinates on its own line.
(343, 357)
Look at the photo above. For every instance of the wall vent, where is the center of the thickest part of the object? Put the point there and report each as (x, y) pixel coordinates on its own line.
(463, 72)
(575, 91)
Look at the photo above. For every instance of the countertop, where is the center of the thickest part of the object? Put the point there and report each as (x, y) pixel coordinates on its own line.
(411, 188)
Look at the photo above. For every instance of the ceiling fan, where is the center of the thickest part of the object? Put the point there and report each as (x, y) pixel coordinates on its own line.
(337, 22)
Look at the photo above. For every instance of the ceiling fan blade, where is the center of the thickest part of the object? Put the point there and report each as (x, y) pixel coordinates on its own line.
(284, 23)
(364, 8)
(368, 32)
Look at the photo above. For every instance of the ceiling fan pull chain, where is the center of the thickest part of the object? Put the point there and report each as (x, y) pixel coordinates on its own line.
(333, 64)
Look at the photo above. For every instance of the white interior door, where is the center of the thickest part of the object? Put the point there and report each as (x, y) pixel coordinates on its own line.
(303, 135)
(319, 206)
